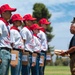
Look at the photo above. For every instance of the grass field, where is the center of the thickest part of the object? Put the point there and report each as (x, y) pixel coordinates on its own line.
(57, 70)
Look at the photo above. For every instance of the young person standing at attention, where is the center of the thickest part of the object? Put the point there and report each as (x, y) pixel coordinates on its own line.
(5, 47)
(16, 42)
(27, 36)
(44, 45)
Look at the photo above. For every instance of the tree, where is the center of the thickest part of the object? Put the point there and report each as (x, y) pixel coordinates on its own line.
(40, 11)
(58, 61)
(64, 61)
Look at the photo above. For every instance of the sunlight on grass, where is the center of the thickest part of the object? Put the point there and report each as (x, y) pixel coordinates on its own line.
(57, 70)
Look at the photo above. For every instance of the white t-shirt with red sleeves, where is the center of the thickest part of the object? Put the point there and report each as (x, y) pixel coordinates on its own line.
(43, 40)
(27, 36)
(16, 39)
(4, 35)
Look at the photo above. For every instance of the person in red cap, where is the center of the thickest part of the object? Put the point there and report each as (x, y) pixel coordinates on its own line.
(27, 36)
(44, 46)
(16, 42)
(36, 49)
(5, 47)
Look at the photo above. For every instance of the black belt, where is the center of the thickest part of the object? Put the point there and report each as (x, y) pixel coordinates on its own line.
(37, 53)
(6, 48)
(43, 51)
(20, 50)
(29, 52)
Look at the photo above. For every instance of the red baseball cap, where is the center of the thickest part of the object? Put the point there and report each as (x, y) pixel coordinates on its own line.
(29, 17)
(16, 17)
(35, 26)
(6, 7)
(44, 21)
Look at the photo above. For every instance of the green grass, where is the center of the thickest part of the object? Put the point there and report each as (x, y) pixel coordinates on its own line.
(57, 70)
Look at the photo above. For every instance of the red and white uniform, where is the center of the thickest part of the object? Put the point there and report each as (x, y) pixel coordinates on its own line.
(4, 34)
(27, 36)
(36, 44)
(16, 38)
(43, 39)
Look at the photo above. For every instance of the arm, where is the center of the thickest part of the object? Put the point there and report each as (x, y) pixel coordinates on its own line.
(71, 50)
(23, 35)
(44, 44)
(0, 31)
(12, 38)
(1, 28)
(37, 46)
(24, 41)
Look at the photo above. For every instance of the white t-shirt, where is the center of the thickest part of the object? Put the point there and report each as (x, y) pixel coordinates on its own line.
(27, 36)
(16, 39)
(44, 44)
(4, 35)
(36, 44)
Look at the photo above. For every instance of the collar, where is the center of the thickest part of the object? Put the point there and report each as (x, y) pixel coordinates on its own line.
(29, 28)
(35, 35)
(15, 28)
(42, 29)
(4, 21)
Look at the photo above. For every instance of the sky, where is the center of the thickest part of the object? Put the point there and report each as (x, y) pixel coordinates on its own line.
(62, 12)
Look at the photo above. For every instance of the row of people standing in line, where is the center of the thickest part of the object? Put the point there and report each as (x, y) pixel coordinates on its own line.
(31, 38)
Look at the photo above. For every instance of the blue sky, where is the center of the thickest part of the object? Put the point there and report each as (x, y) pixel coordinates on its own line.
(62, 12)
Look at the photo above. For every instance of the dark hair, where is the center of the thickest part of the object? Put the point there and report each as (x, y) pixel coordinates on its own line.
(10, 21)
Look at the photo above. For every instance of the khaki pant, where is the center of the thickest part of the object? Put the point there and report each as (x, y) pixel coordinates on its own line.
(72, 64)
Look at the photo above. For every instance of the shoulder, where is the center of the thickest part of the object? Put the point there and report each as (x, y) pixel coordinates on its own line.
(2, 23)
(41, 33)
(24, 29)
(35, 37)
(13, 31)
